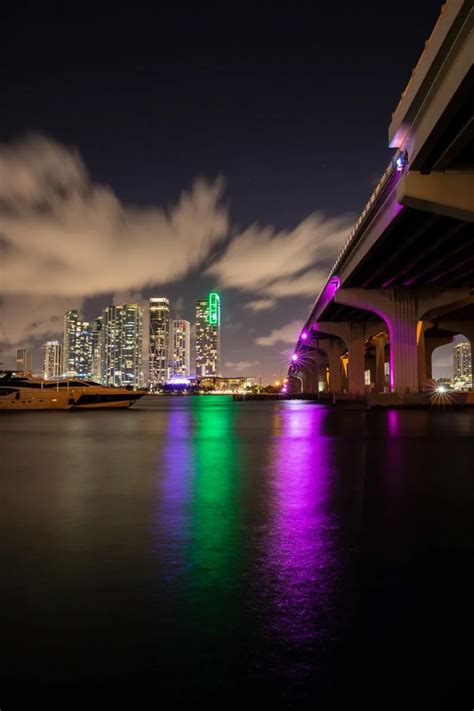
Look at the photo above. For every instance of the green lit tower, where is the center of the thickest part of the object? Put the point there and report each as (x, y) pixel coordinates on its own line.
(208, 336)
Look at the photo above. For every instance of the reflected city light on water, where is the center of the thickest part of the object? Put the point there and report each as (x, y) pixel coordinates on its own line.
(301, 565)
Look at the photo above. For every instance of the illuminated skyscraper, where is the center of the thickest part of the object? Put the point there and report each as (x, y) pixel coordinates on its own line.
(24, 359)
(180, 349)
(52, 359)
(159, 341)
(208, 344)
(131, 327)
(111, 367)
(97, 349)
(120, 336)
(77, 351)
(462, 363)
(71, 319)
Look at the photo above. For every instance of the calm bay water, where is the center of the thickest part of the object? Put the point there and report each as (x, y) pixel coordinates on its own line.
(203, 551)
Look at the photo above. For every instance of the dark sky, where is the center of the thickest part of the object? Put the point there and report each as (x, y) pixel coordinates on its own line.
(290, 105)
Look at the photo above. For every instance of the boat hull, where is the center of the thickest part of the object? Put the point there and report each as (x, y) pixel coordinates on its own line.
(34, 400)
(35, 394)
(100, 401)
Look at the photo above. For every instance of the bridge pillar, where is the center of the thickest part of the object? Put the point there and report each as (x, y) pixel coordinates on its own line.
(309, 373)
(354, 335)
(334, 348)
(402, 309)
(357, 358)
(380, 342)
(294, 384)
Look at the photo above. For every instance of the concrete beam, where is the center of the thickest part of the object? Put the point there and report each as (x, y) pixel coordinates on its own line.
(450, 194)
(402, 310)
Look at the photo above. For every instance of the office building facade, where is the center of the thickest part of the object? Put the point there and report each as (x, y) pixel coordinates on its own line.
(131, 346)
(120, 336)
(77, 346)
(52, 359)
(24, 359)
(159, 349)
(180, 349)
(208, 320)
(462, 365)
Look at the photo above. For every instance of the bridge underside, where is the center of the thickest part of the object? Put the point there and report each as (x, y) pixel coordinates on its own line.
(416, 250)
(404, 282)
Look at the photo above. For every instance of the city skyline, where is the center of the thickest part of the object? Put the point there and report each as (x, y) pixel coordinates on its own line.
(134, 215)
(443, 366)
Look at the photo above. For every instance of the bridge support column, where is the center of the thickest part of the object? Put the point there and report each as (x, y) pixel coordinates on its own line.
(310, 373)
(354, 336)
(402, 309)
(404, 343)
(357, 359)
(334, 349)
(380, 342)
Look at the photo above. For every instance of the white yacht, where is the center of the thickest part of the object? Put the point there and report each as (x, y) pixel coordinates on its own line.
(22, 391)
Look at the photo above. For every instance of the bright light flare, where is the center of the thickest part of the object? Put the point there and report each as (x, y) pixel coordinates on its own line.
(439, 395)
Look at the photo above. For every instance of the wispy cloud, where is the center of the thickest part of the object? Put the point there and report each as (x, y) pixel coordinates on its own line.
(64, 237)
(242, 365)
(286, 334)
(279, 264)
(260, 304)
(64, 234)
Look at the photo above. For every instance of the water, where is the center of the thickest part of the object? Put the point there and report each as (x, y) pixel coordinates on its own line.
(200, 551)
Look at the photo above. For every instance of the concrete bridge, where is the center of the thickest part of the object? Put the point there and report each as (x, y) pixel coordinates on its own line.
(403, 282)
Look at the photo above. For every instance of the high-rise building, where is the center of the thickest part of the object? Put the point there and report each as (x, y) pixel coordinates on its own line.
(159, 341)
(111, 355)
(208, 345)
(121, 338)
(131, 345)
(84, 350)
(24, 360)
(52, 359)
(180, 349)
(96, 338)
(71, 319)
(462, 364)
(77, 351)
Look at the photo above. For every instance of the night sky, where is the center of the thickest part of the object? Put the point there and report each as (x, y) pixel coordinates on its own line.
(289, 106)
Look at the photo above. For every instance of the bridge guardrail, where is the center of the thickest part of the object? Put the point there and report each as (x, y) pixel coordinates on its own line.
(383, 182)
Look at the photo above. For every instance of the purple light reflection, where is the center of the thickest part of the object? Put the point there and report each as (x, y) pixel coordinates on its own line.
(174, 476)
(302, 565)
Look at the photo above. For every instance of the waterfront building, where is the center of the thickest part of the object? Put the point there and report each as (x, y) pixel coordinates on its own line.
(83, 350)
(77, 349)
(180, 349)
(96, 343)
(111, 370)
(121, 338)
(208, 320)
(226, 384)
(462, 366)
(159, 341)
(71, 319)
(24, 359)
(52, 359)
(131, 327)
